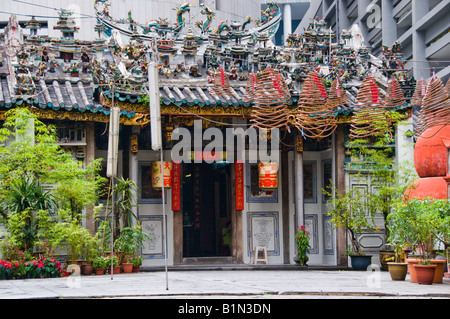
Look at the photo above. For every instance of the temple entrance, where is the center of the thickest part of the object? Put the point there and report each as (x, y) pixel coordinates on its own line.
(206, 210)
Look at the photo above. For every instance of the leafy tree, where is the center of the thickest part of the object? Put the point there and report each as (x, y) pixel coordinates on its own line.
(39, 159)
(29, 158)
(377, 163)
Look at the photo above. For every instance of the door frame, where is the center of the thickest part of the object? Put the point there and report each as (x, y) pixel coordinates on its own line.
(236, 230)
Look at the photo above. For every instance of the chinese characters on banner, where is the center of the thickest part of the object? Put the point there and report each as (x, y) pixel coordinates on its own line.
(239, 186)
(176, 186)
(196, 186)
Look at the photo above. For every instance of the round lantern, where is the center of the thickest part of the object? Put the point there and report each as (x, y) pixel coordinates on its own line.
(158, 177)
(268, 175)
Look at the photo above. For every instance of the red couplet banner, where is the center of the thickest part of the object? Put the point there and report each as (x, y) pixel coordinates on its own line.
(239, 186)
(176, 186)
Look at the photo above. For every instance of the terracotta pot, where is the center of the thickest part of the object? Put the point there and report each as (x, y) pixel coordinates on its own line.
(439, 272)
(127, 267)
(397, 270)
(116, 270)
(87, 269)
(100, 271)
(136, 268)
(411, 270)
(425, 273)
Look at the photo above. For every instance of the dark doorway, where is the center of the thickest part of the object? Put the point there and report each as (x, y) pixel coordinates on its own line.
(206, 210)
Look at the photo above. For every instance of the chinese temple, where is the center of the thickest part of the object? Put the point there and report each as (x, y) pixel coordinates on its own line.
(225, 75)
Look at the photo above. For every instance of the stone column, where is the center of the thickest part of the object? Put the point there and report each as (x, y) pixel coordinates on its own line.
(133, 167)
(341, 236)
(298, 170)
(90, 156)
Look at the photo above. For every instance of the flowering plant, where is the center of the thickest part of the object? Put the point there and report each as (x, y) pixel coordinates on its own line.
(51, 267)
(100, 262)
(137, 260)
(17, 269)
(302, 240)
(31, 268)
(6, 270)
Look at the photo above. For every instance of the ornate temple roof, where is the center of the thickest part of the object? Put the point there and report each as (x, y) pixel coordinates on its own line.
(68, 75)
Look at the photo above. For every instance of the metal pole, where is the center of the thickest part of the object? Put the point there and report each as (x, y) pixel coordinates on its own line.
(113, 182)
(164, 221)
(156, 136)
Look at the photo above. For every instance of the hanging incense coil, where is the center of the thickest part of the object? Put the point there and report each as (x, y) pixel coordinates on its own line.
(394, 95)
(221, 84)
(447, 86)
(368, 94)
(270, 100)
(435, 106)
(337, 96)
(250, 89)
(314, 116)
(369, 120)
(419, 92)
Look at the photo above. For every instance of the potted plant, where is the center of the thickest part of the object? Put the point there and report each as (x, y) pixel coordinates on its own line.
(420, 223)
(398, 267)
(115, 264)
(130, 240)
(302, 241)
(89, 252)
(350, 211)
(127, 265)
(137, 262)
(100, 263)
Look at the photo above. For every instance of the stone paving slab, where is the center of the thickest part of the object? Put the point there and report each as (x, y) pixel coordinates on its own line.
(211, 284)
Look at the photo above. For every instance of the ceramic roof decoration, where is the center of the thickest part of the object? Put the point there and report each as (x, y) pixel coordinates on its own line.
(212, 66)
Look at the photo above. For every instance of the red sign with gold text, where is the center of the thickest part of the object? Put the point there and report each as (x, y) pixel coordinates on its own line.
(239, 186)
(176, 186)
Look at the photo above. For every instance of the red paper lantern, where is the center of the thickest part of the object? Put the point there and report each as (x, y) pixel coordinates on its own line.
(268, 175)
(158, 177)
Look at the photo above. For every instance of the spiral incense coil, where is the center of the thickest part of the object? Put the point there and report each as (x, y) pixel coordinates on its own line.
(435, 106)
(368, 94)
(221, 85)
(419, 92)
(337, 96)
(447, 86)
(250, 89)
(369, 121)
(394, 95)
(270, 100)
(368, 124)
(314, 116)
